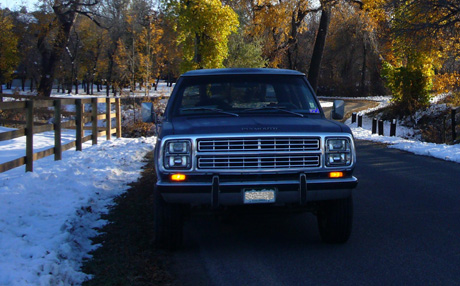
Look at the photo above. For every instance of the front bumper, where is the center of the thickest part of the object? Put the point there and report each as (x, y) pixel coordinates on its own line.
(218, 190)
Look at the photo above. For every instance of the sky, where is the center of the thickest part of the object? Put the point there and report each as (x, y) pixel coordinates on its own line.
(17, 4)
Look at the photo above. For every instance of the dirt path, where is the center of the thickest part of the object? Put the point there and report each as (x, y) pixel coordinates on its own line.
(351, 105)
(127, 255)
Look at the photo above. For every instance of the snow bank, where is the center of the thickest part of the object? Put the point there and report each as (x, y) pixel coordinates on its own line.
(405, 138)
(47, 217)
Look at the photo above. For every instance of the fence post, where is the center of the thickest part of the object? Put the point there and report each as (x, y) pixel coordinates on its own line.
(381, 128)
(79, 123)
(94, 120)
(454, 133)
(360, 121)
(353, 117)
(118, 115)
(30, 136)
(108, 118)
(374, 125)
(57, 130)
(393, 128)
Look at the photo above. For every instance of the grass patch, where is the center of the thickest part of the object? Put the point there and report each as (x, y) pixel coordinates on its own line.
(127, 255)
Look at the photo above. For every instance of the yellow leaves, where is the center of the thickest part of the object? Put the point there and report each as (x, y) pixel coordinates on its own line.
(376, 9)
(149, 51)
(446, 82)
(9, 55)
(278, 23)
(204, 27)
(121, 58)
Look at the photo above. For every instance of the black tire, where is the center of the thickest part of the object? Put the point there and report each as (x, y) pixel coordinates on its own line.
(335, 220)
(168, 222)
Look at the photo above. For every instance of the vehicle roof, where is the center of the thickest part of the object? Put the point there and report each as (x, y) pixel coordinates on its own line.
(241, 71)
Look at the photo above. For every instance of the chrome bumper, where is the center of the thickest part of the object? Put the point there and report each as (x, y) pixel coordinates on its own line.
(217, 192)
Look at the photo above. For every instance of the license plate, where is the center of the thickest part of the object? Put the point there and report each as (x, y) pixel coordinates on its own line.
(259, 196)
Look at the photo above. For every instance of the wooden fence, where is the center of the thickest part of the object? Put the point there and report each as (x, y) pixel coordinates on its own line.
(30, 106)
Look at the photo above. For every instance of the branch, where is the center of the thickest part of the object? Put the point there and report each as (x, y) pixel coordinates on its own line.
(90, 15)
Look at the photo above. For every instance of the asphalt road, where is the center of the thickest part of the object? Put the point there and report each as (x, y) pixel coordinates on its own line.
(406, 232)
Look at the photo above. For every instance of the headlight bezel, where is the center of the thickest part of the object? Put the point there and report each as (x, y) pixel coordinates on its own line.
(177, 154)
(338, 152)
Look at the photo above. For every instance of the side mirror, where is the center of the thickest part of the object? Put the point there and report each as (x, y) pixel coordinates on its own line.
(338, 110)
(147, 112)
(149, 115)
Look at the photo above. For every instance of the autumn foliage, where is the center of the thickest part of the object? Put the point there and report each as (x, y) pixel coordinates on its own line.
(9, 56)
(409, 49)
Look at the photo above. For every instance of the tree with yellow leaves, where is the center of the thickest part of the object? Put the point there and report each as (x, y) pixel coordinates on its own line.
(434, 25)
(124, 63)
(279, 25)
(204, 27)
(149, 52)
(9, 55)
(420, 33)
(93, 43)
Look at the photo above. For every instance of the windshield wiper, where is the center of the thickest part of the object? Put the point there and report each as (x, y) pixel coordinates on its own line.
(273, 108)
(210, 109)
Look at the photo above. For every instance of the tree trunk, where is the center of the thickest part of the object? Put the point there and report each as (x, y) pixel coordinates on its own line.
(320, 42)
(50, 58)
(157, 83)
(363, 71)
(198, 59)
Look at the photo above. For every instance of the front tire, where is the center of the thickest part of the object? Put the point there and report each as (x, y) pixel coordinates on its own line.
(168, 223)
(335, 220)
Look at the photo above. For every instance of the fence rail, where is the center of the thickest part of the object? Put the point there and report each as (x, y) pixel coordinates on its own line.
(31, 105)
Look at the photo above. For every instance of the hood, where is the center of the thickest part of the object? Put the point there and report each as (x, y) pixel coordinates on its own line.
(252, 124)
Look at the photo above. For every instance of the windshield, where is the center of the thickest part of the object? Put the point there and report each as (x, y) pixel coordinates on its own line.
(245, 94)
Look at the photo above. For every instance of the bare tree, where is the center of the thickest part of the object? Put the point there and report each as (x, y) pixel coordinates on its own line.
(65, 15)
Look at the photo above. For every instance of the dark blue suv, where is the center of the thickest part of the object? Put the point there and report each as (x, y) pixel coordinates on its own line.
(246, 137)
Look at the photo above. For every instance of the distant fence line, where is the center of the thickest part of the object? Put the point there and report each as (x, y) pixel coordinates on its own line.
(29, 106)
(378, 126)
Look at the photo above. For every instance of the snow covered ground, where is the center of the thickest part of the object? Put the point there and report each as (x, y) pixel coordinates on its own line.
(405, 137)
(48, 216)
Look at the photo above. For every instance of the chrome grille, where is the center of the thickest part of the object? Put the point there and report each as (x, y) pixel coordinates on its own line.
(244, 162)
(277, 144)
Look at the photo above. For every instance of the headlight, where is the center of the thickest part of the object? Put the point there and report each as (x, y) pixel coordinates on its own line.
(338, 152)
(337, 145)
(177, 154)
(178, 147)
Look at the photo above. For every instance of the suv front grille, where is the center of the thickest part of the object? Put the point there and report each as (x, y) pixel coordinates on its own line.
(258, 153)
(277, 144)
(249, 162)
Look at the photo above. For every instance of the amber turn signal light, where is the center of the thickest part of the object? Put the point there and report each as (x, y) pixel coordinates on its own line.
(178, 177)
(335, 174)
